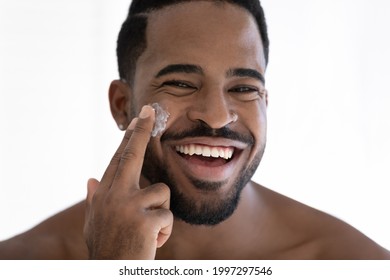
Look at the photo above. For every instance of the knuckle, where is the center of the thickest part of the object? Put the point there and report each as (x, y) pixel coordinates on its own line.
(116, 158)
(128, 154)
(168, 215)
(164, 216)
(159, 188)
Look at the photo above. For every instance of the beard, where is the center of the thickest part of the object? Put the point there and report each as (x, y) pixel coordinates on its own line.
(214, 208)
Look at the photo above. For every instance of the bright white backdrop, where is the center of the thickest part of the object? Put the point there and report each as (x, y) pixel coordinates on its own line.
(329, 123)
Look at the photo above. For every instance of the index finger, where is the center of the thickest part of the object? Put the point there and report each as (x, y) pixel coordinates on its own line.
(132, 158)
(111, 170)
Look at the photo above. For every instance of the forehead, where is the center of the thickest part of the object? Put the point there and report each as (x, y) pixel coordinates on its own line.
(203, 31)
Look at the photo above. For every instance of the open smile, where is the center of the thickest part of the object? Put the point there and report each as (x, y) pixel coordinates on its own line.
(206, 151)
(208, 159)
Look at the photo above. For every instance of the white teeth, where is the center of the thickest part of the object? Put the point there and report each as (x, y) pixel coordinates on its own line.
(198, 150)
(221, 152)
(206, 151)
(214, 152)
(192, 149)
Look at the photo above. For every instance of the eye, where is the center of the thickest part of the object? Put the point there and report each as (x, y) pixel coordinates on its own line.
(178, 84)
(177, 88)
(245, 92)
(244, 89)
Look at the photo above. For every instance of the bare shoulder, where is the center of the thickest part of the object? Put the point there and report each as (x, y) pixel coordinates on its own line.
(313, 234)
(59, 237)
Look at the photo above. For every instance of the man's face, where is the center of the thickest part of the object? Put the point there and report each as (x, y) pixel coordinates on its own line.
(204, 64)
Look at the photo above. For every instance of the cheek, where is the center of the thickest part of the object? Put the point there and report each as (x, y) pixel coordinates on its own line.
(254, 118)
(177, 109)
(170, 118)
(165, 109)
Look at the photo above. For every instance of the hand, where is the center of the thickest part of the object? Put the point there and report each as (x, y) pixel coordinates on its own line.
(124, 221)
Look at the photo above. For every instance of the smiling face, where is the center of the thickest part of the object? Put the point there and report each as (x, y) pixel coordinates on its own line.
(204, 63)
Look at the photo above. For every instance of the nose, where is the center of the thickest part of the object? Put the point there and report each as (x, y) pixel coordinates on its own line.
(211, 106)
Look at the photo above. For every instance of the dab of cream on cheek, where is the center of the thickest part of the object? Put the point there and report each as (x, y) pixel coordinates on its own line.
(160, 119)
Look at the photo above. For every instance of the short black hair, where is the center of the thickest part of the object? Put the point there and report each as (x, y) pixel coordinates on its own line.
(131, 41)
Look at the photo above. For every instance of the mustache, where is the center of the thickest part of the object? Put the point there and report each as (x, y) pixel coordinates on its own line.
(203, 130)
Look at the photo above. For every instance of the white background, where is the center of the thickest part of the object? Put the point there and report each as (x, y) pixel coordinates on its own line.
(329, 123)
(275, 270)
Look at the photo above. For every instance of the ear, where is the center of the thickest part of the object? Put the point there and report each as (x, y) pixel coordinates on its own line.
(120, 96)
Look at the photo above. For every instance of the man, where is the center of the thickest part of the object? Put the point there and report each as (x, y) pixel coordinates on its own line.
(186, 193)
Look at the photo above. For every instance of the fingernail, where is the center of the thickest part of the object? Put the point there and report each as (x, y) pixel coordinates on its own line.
(132, 124)
(146, 112)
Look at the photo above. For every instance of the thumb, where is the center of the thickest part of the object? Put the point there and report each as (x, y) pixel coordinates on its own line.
(92, 186)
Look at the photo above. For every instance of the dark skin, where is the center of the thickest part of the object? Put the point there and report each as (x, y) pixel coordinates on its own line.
(125, 216)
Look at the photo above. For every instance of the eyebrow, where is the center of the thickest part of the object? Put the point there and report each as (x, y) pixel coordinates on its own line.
(245, 72)
(180, 68)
